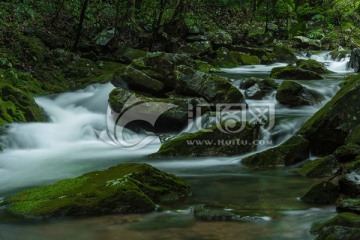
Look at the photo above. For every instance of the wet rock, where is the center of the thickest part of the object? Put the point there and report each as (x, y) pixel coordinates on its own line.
(218, 212)
(294, 94)
(163, 114)
(339, 54)
(215, 141)
(224, 59)
(347, 153)
(312, 65)
(219, 39)
(294, 73)
(258, 88)
(342, 226)
(306, 43)
(294, 150)
(196, 49)
(245, 59)
(213, 88)
(322, 193)
(126, 188)
(283, 55)
(350, 184)
(262, 54)
(127, 55)
(349, 205)
(133, 79)
(355, 59)
(354, 136)
(329, 127)
(321, 167)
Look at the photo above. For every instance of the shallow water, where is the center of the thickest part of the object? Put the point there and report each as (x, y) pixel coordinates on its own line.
(68, 145)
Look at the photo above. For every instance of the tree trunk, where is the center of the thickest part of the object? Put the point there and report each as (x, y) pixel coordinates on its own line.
(81, 22)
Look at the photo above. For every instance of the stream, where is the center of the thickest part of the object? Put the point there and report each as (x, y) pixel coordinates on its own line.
(67, 146)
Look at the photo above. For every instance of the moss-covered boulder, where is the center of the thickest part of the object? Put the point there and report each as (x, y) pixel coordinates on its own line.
(262, 54)
(306, 43)
(321, 167)
(342, 226)
(322, 193)
(294, 94)
(245, 59)
(282, 54)
(213, 88)
(225, 59)
(169, 114)
(219, 38)
(206, 67)
(312, 65)
(126, 188)
(195, 49)
(349, 205)
(354, 136)
(292, 151)
(216, 141)
(256, 88)
(136, 80)
(127, 55)
(350, 184)
(347, 153)
(294, 73)
(329, 127)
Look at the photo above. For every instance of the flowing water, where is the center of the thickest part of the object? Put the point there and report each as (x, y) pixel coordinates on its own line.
(68, 145)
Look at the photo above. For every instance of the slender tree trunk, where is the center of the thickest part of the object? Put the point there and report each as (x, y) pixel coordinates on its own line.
(117, 21)
(81, 22)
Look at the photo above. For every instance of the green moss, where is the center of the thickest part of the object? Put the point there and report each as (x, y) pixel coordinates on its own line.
(290, 152)
(322, 167)
(126, 188)
(294, 73)
(206, 67)
(282, 54)
(349, 205)
(343, 219)
(313, 65)
(347, 153)
(354, 136)
(225, 59)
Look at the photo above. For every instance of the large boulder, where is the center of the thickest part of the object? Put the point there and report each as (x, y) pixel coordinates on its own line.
(245, 59)
(349, 205)
(126, 188)
(283, 55)
(329, 127)
(306, 43)
(347, 153)
(256, 88)
(294, 94)
(350, 184)
(355, 59)
(294, 150)
(321, 167)
(170, 114)
(216, 141)
(219, 39)
(224, 59)
(196, 49)
(312, 65)
(294, 73)
(322, 193)
(127, 54)
(343, 226)
(213, 88)
(136, 80)
(262, 54)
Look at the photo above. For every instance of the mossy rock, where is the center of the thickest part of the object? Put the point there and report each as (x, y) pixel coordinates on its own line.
(322, 193)
(219, 38)
(262, 54)
(349, 205)
(294, 73)
(294, 94)
(213, 88)
(294, 150)
(219, 212)
(245, 59)
(283, 55)
(136, 80)
(127, 55)
(347, 153)
(312, 65)
(327, 129)
(215, 141)
(319, 168)
(165, 114)
(354, 136)
(195, 49)
(350, 184)
(126, 188)
(342, 226)
(225, 59)
(206, 67)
